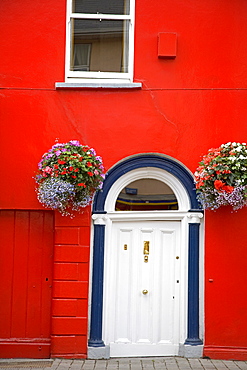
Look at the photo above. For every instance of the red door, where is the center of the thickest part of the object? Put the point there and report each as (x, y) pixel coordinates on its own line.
(26, 247)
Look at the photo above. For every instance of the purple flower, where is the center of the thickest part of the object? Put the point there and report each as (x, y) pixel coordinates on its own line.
(213, 199)
(57, 145)
(74, 142)
(38, 178)
(49, 155)
(93, 151)
(40, 165)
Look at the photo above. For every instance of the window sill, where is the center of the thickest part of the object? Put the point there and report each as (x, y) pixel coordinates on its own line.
(97, 85)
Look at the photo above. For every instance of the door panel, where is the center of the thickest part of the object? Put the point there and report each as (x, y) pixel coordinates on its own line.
(26, 249)
(142, 290)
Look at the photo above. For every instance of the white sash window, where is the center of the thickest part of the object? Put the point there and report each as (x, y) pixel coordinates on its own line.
(100, 37)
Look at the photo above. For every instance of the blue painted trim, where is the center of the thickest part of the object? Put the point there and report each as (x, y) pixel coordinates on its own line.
(147, 160)
(97, 287)
(193, 286)
(167, 164)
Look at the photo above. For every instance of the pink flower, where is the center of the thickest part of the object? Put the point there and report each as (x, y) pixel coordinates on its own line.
(48, 170)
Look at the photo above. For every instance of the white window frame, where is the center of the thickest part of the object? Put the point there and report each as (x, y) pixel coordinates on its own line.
(91, 77)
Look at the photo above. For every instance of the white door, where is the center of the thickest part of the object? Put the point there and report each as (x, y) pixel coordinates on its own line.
(141, 296)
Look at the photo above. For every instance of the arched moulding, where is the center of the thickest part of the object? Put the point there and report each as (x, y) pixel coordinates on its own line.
(158, 167)
(148, 173)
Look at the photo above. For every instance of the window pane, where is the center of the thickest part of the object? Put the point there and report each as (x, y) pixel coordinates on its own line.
(101, 6)
(146, 195)
(82, 57)
(108, 40)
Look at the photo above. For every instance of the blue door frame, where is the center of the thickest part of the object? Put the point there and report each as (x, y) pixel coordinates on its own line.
(186, 179)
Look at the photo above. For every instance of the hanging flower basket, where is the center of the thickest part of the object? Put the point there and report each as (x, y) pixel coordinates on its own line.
(68, 176)
(221, 178)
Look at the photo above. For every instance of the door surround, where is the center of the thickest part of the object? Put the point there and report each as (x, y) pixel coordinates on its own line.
(180, 179)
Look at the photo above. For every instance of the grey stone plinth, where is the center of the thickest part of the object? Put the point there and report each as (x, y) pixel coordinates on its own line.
(188, 351)
(98, 353)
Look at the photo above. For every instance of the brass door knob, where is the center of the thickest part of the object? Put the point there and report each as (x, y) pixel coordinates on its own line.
(145, 291)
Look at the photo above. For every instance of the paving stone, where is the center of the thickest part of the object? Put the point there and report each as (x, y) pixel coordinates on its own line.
(136, 364)
(195, 363)
(183, 364)
(159, 365)
(171, 363)
(207, 364)
(159, 361)
(124, 363)
(112, 364)
(241, 364)
(64, 364)
(232, 365)
(89, 365)
(100, 365)
(147, 364)
(77, 365)
(219, 365)
(55, 364)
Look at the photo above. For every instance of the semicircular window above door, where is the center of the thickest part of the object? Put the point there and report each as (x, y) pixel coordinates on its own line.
(146, 195)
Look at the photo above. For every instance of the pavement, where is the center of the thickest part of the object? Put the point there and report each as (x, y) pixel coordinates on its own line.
(148, 363)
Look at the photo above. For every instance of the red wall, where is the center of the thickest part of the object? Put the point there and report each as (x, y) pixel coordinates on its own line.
(186, 106)
(70, 287)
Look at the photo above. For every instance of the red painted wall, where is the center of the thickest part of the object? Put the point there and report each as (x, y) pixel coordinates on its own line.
(187, 105)
(70, 287)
